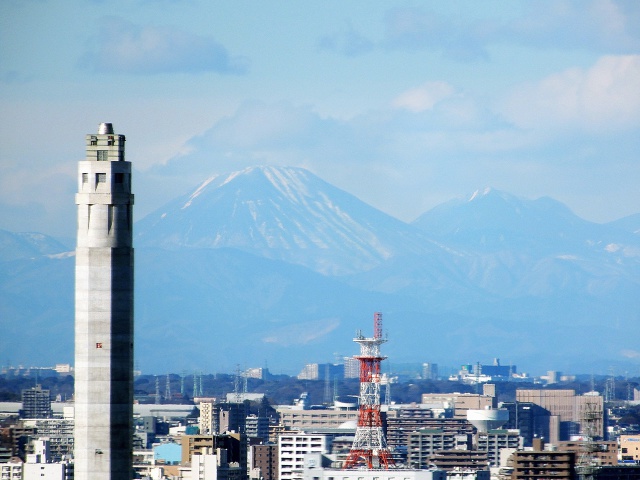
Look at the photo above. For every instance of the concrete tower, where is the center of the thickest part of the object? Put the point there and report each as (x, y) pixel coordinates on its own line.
(104, 311)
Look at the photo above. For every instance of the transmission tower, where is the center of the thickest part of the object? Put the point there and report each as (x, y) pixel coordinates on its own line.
(167, 390)
(369, 447)
(236, 386)
(195, 384)
(586, 465)
(157, 390)
(610, 387)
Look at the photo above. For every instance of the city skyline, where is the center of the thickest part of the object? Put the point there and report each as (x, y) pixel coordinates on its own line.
(405, 107)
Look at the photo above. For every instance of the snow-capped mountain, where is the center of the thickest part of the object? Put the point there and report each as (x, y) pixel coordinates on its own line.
(282, 213)
(273, 263)
(515, 246)
(492, 220)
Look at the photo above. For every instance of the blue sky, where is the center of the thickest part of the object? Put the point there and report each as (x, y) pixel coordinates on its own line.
(404, 104)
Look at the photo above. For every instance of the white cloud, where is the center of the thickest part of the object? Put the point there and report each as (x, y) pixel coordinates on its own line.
(628, 353)
(123, 47)
(603, 97)
(424, 97)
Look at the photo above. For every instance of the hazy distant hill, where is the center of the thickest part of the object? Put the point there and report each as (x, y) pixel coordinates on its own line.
(14, 246)
(630, 223)
(272, 264)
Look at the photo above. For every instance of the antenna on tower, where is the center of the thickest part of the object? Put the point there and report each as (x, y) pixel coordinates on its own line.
(236, 385)
(591, 417)
(157, 390)
(195, 384)
(369, 447)
(387, 391)
(167, 390)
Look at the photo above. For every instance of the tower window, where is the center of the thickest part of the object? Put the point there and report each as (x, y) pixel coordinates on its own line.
(103, 155)
(94, 140)
(85, 178)
(119, 178)
(110, 140)
(101, 178)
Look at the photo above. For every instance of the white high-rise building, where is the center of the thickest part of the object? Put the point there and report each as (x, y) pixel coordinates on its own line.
(104, 311)
(292, 448)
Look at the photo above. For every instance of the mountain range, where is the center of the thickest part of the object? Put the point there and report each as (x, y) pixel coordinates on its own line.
(274, 265)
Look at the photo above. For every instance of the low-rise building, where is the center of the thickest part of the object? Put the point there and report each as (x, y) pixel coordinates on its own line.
(264, 461)
(293, 447)
(323, 467)
(424, 443)
(214, 466)
(321, 418)
(494, 441)
(630, 447)
(460, 402)
(536, 464)
(460, 460)
(592, 452)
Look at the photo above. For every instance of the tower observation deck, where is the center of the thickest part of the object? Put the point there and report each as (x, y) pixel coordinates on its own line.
(369, 447)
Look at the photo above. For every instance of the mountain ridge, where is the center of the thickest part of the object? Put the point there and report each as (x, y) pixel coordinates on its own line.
(274, 263)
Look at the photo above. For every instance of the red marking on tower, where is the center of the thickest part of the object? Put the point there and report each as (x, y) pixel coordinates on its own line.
(370, 445)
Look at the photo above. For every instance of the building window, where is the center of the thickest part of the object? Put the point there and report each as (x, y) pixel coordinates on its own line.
(103, 155)
(119, 178)
(94, 140)
(85, 178)
(101, 178)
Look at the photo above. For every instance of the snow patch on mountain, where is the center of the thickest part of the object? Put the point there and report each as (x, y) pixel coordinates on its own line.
(198, 191)
(478, 193)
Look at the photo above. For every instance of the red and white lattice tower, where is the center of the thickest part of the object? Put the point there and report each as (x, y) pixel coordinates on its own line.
(370, 445)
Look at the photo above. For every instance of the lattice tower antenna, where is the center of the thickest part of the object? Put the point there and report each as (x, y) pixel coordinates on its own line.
(195, 384)
(167, 390)
(157, 390)
(369, 449)
(387, 391)
(236, 386)
(610, 387)
(586, 465)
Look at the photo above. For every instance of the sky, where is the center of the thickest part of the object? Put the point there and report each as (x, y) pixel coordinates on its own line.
(404, 104)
